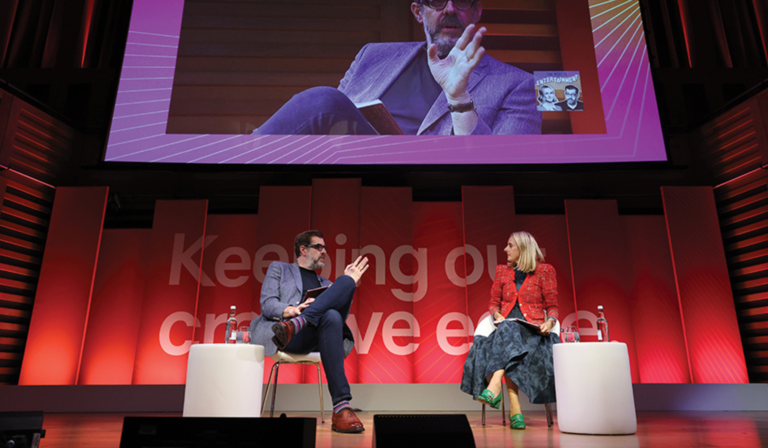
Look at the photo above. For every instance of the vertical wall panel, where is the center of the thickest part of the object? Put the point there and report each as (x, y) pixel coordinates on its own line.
(13, 341)
(227, 275)
(9, 114)
(24, 220)
(336, 213)
(704, 291)
(7, 17)
(173, 263)
(386, 291)
(3, 186)
(735, 142)
(598, 259)
(661, 352)
(489, 220)
(64, 291)
(36, 144)
(442, 312)
(113, 321)
(761, 17)
(284, 212)
(743, 213)
(6, 99)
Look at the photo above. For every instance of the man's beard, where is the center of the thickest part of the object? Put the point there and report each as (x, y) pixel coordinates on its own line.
(444, 43)
(316, 264)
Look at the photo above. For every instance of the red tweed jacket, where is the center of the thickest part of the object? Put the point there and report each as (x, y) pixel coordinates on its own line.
(538, 293)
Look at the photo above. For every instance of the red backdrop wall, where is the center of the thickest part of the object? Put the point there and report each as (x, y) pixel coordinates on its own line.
(158, 291)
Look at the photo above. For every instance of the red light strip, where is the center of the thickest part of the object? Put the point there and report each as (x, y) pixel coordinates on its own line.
(26, 175)
(739, 177)
(682, 4)
(677, 291)
(86, 31)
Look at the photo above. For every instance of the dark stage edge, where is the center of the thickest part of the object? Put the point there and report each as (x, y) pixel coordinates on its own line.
(369, 397)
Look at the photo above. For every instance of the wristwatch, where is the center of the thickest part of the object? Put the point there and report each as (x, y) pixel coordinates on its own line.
(464, 107)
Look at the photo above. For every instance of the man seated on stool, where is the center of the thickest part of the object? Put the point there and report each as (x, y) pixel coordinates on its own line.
(319, 324)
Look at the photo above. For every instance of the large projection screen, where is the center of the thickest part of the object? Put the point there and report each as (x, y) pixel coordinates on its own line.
(199, 76)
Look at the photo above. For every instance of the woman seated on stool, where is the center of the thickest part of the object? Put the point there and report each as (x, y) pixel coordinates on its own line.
(524, 288)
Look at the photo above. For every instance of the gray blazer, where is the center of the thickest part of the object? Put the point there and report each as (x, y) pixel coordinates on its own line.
(282, 287)
(504, 96)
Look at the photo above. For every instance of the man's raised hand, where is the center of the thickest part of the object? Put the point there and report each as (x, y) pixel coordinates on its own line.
(357, 268)
(452, 73)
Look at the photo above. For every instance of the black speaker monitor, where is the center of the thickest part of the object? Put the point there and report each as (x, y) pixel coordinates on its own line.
(214, 432)
(21, 429)
(422, 430)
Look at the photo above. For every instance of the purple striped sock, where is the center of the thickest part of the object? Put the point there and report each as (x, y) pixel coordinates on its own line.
(298, 323)
(340, 406)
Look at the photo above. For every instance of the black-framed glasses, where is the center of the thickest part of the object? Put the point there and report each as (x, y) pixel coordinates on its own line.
(319, 247)
(441, 4)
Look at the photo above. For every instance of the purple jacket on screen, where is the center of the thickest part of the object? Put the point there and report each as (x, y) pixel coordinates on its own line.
(504, 96)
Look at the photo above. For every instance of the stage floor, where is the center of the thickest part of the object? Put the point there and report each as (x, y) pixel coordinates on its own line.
(657, 429)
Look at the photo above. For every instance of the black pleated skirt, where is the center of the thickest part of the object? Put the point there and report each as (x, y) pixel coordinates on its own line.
(525, 356)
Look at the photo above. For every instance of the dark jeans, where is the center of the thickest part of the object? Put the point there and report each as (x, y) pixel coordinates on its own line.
(326, 317)
(317, 111)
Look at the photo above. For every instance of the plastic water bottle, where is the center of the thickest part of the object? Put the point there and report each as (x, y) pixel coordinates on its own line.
(231, 335)
(602, 325)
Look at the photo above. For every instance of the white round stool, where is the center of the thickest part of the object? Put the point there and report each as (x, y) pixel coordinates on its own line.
(594, 388)
(224, 380)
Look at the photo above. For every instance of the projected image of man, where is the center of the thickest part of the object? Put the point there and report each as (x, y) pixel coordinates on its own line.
(571, 102)
(446, 85)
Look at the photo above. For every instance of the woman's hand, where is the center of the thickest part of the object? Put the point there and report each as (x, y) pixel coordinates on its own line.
(357, 269)
(546, 327)
(497, 316)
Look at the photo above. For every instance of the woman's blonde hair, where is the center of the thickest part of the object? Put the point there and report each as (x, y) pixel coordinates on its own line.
(540, 96)
(530, 254)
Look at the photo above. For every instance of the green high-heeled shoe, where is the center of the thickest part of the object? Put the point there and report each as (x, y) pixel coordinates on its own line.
(486, 397)
(516, 421)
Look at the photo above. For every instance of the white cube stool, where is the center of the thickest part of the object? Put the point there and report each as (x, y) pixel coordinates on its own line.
(594, 388)
(224, 380)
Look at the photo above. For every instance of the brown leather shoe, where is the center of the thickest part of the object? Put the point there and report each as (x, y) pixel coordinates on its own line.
(347, 421)
(283, 333)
